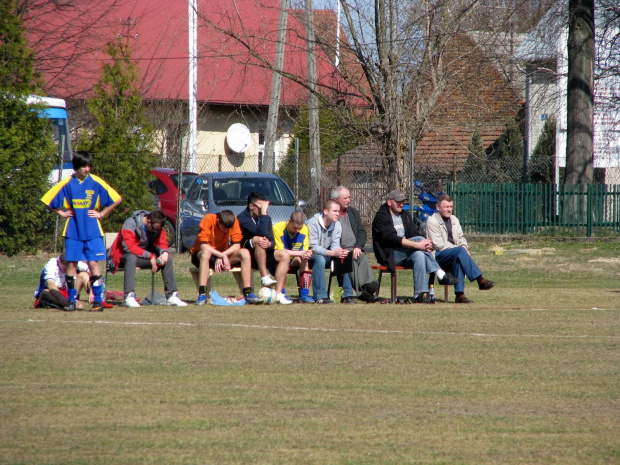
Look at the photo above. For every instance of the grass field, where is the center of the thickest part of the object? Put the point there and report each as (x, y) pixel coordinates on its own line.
(530, 373)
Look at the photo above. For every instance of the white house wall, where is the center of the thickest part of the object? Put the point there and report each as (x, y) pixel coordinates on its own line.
(547, 43)
(213, 153)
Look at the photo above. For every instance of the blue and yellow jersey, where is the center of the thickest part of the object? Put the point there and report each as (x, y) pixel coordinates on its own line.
(284, 241)
(80, 196)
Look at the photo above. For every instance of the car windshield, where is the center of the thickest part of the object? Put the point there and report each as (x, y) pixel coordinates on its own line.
(187, 181)
(235, 191)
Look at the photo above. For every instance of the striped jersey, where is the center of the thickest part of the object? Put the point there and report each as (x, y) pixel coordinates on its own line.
(284, 241)
(93, 193)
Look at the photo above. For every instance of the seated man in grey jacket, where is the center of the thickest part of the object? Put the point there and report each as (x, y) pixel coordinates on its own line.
(325, 231)
(450, 245)
(353, 239)
(142, 243)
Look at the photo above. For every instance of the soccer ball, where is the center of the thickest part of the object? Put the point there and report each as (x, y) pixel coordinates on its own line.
(267, 294)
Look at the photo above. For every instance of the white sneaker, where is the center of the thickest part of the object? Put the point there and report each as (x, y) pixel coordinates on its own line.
(174, 300)
(130, 301)
(268, 281)
(283, 299)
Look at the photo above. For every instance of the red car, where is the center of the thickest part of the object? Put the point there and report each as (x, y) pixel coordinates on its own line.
(164, 186)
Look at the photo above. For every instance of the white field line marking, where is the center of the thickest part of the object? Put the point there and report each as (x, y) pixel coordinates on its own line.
(102, 322)
(327, 330)
(389, 331)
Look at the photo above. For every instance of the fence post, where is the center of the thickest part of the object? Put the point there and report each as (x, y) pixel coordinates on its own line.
(297, 173)
(589, 209)
(411, 169)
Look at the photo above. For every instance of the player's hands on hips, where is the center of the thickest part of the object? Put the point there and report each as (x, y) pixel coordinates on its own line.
(65, 213)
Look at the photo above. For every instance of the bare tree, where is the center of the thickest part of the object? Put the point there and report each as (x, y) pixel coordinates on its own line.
(396, 61)
(416, 56)
(58, 40)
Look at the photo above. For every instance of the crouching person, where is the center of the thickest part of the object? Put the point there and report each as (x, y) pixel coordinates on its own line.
(142, 243)
(52, 291)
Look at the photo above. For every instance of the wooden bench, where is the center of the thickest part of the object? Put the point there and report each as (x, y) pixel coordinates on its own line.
(236, 272)
(393, 278)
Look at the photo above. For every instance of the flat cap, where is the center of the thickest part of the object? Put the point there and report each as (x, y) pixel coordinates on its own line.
(397, 195)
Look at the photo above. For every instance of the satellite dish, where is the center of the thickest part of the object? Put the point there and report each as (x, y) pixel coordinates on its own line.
(238, 138)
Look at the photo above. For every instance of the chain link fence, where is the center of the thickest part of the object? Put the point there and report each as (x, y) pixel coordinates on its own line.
(368, 176)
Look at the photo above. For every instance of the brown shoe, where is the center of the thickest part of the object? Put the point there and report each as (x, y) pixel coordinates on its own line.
(485, 284)
(463, 300)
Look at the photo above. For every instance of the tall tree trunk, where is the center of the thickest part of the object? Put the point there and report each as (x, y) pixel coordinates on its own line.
(580, 98)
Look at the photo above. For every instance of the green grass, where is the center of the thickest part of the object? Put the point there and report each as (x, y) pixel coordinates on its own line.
(527, 374)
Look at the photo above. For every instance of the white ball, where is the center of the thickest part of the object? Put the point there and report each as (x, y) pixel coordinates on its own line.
(267, 294)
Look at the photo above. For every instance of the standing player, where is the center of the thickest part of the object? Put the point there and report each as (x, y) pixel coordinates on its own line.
(78, 198)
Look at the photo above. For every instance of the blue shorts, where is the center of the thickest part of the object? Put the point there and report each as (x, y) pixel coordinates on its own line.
(91, 250)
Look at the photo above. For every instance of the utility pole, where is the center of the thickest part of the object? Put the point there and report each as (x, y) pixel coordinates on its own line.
(269, 164)
(313, 110)
(193, 83)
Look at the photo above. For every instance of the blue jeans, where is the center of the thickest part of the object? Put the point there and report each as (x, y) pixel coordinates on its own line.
(421, 262)
(318, 263)
(458, 260)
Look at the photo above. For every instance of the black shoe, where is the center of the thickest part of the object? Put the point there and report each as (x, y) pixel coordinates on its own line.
(376, 299)
(423, 298)
(96, 307)
(371, 287)
(365, 296)
(448, 280)
(324, 301)
(347, 300)
(70, 308)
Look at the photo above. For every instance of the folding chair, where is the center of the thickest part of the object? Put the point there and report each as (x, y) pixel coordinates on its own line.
(339, 267)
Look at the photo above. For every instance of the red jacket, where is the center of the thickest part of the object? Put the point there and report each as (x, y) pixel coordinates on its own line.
(135, 239)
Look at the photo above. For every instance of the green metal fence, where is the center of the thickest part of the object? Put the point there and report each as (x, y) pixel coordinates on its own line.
(548, 209)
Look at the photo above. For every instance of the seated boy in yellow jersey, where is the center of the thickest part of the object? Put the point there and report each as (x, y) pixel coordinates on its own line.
(292, 235)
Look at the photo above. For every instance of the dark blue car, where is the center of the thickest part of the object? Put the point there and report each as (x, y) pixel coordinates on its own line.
(212, 192)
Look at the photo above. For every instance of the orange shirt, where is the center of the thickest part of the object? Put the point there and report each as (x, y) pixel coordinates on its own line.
(211, 234)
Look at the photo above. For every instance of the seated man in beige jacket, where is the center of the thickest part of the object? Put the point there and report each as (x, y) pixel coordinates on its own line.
(450, 245)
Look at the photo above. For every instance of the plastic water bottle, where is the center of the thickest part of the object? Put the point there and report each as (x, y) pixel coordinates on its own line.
(336, 294)
(432, 294)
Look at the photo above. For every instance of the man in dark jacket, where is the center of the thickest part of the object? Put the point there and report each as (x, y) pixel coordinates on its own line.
(257, 230)
(396, 240)
(353, 238)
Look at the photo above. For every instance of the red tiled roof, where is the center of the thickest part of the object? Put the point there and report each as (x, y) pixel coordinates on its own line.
(477, 97)
(227, 72)
(365, 158)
